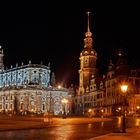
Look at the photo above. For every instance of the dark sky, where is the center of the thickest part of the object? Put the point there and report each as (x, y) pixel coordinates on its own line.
(54, 31)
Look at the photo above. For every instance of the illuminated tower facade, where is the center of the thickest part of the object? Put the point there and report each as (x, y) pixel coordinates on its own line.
(1, 59)
(88, 58)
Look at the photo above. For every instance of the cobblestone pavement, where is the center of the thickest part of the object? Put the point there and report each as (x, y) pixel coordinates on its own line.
(131, 134)
(18, 122)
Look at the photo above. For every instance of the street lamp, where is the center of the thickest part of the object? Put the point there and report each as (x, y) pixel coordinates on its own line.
(102, 111)
(64, 102)
(124, 88)
(59, 86)
(138, 109)
(119, 110)
(89, 113)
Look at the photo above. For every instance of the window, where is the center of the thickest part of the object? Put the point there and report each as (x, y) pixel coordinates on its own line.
(43, 107)
(0, 106)
(6, 106)
(137, 82)
(11, 106)
(21, 106)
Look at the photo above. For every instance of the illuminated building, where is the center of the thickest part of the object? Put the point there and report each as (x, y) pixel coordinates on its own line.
(87, 94)
(88, 59)
(26, 89)
(102, 94)
(116, 74)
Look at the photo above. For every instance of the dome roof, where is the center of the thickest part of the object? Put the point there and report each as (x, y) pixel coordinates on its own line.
(88, 51)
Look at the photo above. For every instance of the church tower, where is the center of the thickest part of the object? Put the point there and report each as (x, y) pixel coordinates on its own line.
(88, 58)
(1, 59)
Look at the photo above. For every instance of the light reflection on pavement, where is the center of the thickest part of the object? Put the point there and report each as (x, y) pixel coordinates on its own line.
(63, 132)
(66, 132)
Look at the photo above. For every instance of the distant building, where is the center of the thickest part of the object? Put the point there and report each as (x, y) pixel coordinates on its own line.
(101, 95)
(26, 89)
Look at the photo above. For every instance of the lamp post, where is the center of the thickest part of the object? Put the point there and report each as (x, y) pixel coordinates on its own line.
(102, 112)
(138, 107)
(124, 88)
(119, 109)
(138, 110)
(64, 102)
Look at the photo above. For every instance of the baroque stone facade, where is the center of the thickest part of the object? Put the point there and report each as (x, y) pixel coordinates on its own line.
(33, 99)
(26, 89)
(25, 74)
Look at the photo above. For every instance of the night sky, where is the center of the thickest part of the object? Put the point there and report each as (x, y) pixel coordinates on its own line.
(54, 31)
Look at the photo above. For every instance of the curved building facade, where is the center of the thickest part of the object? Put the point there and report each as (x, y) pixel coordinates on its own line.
(26, 89)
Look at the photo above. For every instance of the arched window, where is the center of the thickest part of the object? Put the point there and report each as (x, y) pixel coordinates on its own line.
(21, 106)
(43, 107)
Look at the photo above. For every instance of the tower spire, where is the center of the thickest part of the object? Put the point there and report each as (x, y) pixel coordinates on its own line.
(1, 59)
(88, 39)
(88, 59)
(88, 27)
(88, 33)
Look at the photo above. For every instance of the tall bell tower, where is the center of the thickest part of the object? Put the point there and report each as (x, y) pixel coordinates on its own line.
(1, 59)
(88, 58)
